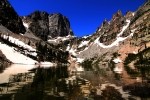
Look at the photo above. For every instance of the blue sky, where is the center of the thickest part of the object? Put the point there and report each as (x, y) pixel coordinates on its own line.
(84, 15)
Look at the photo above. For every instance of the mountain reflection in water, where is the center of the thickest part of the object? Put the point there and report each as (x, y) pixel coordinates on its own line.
(29, 82)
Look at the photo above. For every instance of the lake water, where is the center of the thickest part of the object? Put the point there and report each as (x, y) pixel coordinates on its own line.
(29, 82)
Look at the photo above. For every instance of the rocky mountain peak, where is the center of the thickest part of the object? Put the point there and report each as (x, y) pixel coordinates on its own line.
(129, 15)
(105, 23)
(9, 18)
(46, 25)
(117, 15)
(39, 15)
(109, 29)
(59, 25)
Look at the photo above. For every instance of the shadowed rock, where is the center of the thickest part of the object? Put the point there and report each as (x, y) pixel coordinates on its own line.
(9, 18)
(46, 25)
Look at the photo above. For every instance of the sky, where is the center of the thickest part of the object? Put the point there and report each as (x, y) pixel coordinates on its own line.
(85, 16)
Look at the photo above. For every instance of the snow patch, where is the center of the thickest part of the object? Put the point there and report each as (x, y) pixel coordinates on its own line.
(115, 43)
(86, 36)
(133, 14)
(118, 70)
(15, 56)
(124, 28)
(118, 38)
(99, 29)
(117, 60)
(79, 68)
(26, 25)
(134, 52)
(46, 64)
(59, 39)
(80, 60)
(21, 44)
(68, 48)
(72, 51)
(52, 40)
(83, 43)
(83, 50)
(132, 33)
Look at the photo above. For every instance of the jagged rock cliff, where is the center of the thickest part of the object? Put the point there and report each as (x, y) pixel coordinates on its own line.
(123, 34)
(29, 50)
(108, 31)
(46, 25)
(9, 18)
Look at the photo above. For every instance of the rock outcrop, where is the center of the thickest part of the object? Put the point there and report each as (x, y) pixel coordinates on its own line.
(59, 25)
(123, 34)
(9, 18)
(46, 25)
(109, 30)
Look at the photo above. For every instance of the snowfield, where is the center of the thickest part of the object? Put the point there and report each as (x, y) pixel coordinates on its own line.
(14, 56)
(18, 58)
(21, 44)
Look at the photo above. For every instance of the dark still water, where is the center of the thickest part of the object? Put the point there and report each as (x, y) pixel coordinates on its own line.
(29, 82)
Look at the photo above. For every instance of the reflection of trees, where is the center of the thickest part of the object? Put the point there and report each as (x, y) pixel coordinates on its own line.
(47, 80)
(47, 84)
(21, 77)
(143, 66)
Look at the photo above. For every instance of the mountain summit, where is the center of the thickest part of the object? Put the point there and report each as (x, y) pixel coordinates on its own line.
(46, 25)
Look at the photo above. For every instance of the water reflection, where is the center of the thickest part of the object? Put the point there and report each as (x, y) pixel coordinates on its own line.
(13, 70)
(21, 82)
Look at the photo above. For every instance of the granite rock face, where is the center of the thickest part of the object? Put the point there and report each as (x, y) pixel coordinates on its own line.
(108, 31)
(46, 25)
(9, 18)
(59, 25)
(125, 33)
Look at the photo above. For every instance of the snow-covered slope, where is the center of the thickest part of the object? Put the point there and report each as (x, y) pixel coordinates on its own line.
(15, 56)
(59, 39)
(21, 44)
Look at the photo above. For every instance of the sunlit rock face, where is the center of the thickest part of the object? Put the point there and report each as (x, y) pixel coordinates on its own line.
(9, 18)
(109, 30)
(123, 34)
(46, 25)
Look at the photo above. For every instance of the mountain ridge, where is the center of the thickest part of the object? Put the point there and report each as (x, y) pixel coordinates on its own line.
(46, 25)
(9, 18)
(106, 40)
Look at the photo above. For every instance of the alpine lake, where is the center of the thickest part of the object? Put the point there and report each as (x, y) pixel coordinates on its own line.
(30, 82)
